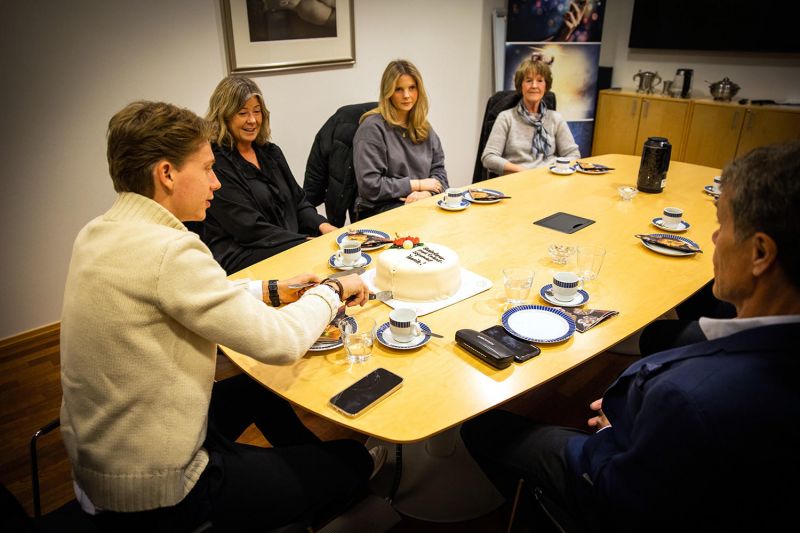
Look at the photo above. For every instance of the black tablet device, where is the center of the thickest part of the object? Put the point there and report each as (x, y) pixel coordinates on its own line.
(564, 222)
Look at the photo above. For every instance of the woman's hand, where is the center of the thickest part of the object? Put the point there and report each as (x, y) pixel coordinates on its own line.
(326, 228)
(354, 287)
(510, 168)
(288, 295)
(414, 196)
(428, 184)
(600, 421)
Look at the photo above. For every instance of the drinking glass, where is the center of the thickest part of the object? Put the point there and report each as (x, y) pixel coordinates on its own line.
(590, 260)
(358, 334)
(518, 282)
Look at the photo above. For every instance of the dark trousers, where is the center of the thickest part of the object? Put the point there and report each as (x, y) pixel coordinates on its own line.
(509, 447)
(248, 488)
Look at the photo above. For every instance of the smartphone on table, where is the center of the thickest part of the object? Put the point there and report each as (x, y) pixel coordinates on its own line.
(366, 392)
(523, 350)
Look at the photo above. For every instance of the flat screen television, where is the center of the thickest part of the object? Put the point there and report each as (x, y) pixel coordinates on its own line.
(720, 25)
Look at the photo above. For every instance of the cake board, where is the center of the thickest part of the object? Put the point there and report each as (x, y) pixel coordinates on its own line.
(471, 284)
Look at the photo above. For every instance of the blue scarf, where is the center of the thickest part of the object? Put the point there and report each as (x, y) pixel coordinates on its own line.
(540, 143)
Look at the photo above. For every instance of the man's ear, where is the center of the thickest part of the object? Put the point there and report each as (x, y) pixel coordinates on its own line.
(162, 176)
(765, 253)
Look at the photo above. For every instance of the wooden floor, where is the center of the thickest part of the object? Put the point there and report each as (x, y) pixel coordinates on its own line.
(30, 396)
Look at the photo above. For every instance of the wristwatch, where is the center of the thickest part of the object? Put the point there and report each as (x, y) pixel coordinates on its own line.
(272, 287)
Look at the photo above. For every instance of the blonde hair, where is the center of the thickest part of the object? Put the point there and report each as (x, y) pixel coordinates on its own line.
(418, 127)
(228, 98)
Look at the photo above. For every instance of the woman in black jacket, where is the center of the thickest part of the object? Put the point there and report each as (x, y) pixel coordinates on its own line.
(260, 210)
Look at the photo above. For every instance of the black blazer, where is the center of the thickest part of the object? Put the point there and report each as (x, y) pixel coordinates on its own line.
(256, 213)
(329, 171)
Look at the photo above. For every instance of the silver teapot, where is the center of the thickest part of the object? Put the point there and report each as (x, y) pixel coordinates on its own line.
(724, 89)
(648, 81)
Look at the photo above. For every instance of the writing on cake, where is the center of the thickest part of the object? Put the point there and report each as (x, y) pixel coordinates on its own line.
(425, 255)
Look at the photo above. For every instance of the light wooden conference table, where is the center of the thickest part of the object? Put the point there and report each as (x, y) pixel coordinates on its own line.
(443, 384)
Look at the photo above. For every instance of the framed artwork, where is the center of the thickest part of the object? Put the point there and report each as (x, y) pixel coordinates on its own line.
(273, 35)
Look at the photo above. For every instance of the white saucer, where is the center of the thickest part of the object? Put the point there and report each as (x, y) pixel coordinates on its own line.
(580, 298)
(709, 189)
(561, 172)
(335, 263)
(659, 223)
(384, 336)
(539, 324)
(463, 205)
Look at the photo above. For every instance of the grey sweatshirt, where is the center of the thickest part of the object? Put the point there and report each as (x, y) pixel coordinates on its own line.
(385, 161)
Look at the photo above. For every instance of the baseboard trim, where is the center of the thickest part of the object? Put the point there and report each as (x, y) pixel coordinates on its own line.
(28, 336)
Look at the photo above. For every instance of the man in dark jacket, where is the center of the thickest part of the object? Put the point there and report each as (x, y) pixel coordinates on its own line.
(701, 437)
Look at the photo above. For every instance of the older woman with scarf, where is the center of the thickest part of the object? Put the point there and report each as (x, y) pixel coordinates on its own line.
(529, 135)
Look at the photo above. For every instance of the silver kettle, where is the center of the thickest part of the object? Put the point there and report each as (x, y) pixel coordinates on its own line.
(648, 81)
(723, 90)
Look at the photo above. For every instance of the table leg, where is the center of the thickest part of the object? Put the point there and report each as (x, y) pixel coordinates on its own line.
(440, 481)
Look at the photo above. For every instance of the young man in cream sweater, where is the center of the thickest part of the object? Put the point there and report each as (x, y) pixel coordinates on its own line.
(149, 434)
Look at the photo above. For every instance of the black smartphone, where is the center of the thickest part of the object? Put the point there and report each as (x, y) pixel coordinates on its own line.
(366, 392)
(523, 350)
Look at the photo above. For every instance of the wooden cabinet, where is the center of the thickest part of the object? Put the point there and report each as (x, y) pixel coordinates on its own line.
(721, 131)
(662, 117)
(713, 133)
(616, 123)
(768, 125)
(701, 131)
(624, 121)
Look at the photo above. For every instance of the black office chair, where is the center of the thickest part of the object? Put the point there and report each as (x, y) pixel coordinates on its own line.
(497, 103)
(330, 177)
(533, 499)
(70, 516)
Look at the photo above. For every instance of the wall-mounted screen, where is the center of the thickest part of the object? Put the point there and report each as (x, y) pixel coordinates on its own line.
(723, 25)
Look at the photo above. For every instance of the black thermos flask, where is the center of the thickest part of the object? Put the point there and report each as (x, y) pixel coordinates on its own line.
(654, 165)
(686, 90)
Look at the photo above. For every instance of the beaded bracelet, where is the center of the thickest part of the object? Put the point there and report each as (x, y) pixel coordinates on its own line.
(338, 288)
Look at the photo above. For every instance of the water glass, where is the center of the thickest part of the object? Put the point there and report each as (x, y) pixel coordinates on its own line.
(358, 335)
(518, 282)
(590, 260)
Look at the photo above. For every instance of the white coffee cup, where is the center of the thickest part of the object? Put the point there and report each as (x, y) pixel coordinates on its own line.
(566, 285)
(403, 324)
(717, 182)
(562, 163)
(349, 252)
(672, 217)
(453, 197)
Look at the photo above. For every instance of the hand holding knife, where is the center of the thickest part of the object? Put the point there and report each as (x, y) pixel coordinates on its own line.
(359, 270)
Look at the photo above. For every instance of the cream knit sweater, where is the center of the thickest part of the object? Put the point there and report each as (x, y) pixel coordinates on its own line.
(144, 306)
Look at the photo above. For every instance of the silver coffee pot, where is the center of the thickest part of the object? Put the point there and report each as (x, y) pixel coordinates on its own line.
(648, 81)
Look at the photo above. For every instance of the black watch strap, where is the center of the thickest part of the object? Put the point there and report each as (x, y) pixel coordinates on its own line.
(272, 287)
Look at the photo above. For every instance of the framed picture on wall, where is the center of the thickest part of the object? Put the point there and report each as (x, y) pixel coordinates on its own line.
(269, 35)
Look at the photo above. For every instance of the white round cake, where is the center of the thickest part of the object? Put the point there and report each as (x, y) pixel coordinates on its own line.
(424, 274)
